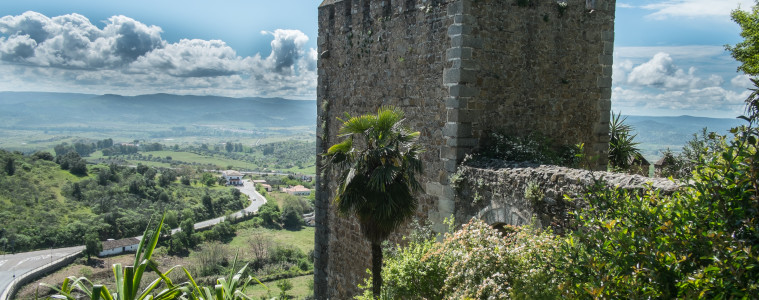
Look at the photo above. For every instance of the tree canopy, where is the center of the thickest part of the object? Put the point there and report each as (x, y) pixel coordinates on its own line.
(747, 51)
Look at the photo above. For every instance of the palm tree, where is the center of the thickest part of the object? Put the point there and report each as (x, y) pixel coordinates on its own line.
(378, 160)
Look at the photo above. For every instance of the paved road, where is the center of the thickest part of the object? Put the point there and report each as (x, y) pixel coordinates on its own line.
(21, 263)
(14, 265)
(256, 200)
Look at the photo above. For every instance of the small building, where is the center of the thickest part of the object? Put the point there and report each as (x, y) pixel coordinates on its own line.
(113, 247)
(639, 165)
(232, 177)
(266, 187)
(297, 190)
(259, 181)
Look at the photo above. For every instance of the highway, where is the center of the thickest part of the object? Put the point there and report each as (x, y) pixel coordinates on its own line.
(14, 265)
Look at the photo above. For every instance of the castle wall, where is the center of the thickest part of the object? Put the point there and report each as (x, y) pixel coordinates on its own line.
(459, 69)
(545, 69)
(374, 53)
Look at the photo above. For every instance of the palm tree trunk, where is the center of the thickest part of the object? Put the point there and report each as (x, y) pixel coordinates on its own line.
(376, 270)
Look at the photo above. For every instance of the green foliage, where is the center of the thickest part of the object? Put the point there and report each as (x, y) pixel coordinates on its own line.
(291, 218)
(284, 286)
(92, 244)
(293, 209)
(128, 278)
(222, 232)
(378, 176)
(10, 166)
(476, 262)
(747, 51)
(270, 214)
(230, 288)
(699, 242)
(116, 202)
(622, 147)
(73, 162)
(534, 148)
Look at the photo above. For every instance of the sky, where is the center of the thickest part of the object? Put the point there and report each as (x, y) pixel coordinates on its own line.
(669, 56)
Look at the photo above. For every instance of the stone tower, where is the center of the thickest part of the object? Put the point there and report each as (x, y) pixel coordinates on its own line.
(459, 69)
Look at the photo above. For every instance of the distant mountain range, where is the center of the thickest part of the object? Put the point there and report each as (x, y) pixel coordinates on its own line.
(656, 134)
(41, 110)
(33, 109)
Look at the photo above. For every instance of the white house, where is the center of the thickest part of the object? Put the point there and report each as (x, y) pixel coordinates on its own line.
(297, 190)
(233, 177)
(113, 247)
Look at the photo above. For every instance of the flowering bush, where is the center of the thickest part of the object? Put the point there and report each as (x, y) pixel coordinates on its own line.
(476, 262)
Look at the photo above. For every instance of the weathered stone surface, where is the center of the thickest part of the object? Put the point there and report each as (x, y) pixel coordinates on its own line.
(494, 191)
(459, 69)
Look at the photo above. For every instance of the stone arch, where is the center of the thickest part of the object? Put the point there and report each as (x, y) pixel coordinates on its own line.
(495, 214)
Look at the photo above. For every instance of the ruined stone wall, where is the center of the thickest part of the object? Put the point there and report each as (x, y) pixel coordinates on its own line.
(458, 68)
(496, 191)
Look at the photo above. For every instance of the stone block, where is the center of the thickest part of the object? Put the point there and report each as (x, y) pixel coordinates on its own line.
(608, 48)
(456, 102)
(459, 7)
(459, 76)
(604, 59)
(434, 189)
(464, 19)
(450, 165)
(457, 129)
(466, 41)
(459, 29)
(462, 142)
(454, 153)
(459, 115)
(608, 36)
(458, 53)
(445, 206)
(604, 82)
(465, 64)
(606, 94)
(460, 90)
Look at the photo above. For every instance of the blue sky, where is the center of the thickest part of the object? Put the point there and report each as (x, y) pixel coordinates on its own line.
(669, 55)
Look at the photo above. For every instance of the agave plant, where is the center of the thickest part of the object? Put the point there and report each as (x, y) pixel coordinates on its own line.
(230, 288)
(128, 278)
(622, 146)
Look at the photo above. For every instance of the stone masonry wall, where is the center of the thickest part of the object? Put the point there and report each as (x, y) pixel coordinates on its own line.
(495, 191)
(543, 68)
(459, 69)
(374, 53)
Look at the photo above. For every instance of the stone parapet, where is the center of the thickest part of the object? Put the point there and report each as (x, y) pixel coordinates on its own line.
(494, 191)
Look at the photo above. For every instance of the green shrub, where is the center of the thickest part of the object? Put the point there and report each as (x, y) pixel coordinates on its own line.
(534, 147)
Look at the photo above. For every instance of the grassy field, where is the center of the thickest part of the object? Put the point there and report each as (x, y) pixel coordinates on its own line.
(303, 239)
(300, 288)
(189, 158)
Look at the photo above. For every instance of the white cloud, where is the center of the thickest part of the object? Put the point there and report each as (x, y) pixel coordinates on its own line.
(126, 56)
(742, 81)
(695, 8)
(624, 5)
(662, 72)
(676, 52)
(711, 101)
(286, 49)
(658, 85)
